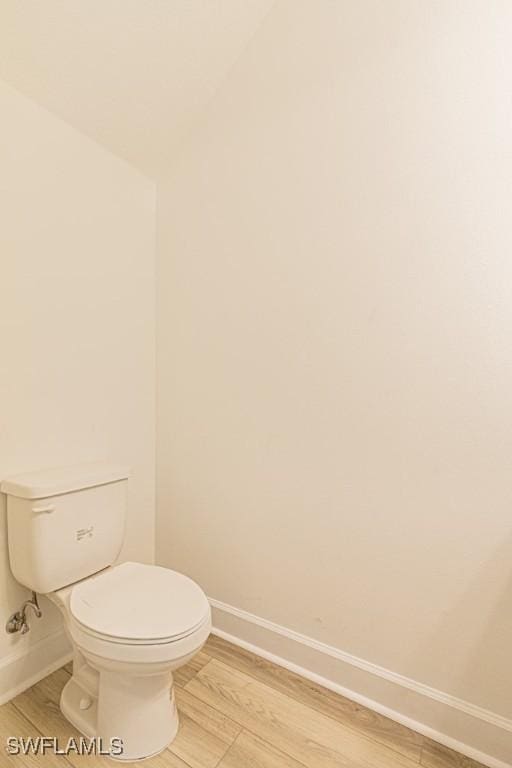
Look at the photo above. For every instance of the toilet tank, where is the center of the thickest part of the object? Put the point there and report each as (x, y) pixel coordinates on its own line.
(65, 524)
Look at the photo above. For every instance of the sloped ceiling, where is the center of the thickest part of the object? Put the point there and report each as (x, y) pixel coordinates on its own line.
(132, 74)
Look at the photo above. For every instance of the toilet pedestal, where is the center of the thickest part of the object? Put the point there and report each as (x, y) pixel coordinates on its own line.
(139, 710)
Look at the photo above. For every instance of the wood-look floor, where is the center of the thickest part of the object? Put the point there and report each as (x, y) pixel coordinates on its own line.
(240, 711)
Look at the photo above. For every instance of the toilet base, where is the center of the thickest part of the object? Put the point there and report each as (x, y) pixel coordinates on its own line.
(84, 720)
(139, 711)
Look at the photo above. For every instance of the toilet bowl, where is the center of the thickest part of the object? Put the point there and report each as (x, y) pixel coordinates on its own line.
(130, 625)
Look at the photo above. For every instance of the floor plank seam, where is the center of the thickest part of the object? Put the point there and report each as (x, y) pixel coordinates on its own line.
(268, 743)
(243, 728)
(221, 759)
(170, 750)
(271, 744)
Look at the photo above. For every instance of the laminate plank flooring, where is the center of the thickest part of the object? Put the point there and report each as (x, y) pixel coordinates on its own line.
(347, 712)
(297, 730)
(238, 710)
(436, 756)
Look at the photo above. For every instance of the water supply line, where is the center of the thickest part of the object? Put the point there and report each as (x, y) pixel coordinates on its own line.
(17, 622)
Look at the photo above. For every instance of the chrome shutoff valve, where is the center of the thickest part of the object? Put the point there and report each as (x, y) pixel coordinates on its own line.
(18, 621)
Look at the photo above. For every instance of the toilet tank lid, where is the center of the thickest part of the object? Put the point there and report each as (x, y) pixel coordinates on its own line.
(53, 482)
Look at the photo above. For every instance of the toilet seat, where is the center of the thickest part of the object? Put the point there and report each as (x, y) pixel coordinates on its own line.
(136, 604)
(103, 648)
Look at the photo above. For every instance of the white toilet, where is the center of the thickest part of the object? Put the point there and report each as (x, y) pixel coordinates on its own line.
(130, 624)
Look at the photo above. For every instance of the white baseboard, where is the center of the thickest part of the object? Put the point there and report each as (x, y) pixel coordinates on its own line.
(30, 663)
(471, 730)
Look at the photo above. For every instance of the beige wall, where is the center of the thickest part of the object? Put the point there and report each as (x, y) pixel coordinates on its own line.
(335, 324)
(76, 320)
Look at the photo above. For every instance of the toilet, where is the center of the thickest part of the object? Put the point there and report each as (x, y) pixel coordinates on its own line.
(130, 625)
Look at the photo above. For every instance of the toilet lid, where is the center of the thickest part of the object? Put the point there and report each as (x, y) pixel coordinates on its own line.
(140, 602)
